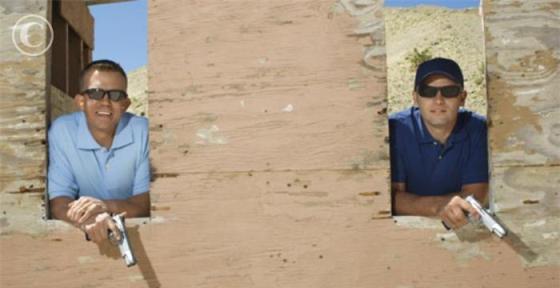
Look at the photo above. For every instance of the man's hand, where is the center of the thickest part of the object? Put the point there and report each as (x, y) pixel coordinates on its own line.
(454, 213)
(97, 230)
(82, 209)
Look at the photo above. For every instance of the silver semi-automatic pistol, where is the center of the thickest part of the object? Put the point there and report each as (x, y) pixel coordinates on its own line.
(486, 218)
(124, 244)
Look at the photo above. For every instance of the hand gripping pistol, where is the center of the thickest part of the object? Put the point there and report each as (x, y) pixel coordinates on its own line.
(486, 218)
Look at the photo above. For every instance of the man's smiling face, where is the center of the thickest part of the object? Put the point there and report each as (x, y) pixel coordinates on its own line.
(103, 115)
(439, 112)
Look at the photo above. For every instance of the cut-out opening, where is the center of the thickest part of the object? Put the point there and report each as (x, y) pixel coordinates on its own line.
(74, 26)
(416, 34)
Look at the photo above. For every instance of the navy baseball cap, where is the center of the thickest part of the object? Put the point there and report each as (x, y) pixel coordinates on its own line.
(439, 66)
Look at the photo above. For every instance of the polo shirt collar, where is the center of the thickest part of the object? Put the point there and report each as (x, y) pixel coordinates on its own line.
(423, 135)
(123, 135)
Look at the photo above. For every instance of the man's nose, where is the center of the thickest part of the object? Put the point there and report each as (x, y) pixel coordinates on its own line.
(105, 99)
(439, 97)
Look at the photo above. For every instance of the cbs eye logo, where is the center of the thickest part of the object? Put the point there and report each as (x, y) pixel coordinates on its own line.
(32, 35)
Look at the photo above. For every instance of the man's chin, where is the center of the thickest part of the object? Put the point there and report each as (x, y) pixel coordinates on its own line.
(439, 123)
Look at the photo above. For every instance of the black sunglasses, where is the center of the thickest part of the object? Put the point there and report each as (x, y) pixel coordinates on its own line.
(451, 91)
(98, 94)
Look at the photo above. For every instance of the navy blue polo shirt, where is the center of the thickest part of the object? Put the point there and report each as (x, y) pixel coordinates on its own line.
(431, 168)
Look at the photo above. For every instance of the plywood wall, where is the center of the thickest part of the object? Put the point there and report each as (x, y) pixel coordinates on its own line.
(23, 111)
(523, 56)
(268, 131)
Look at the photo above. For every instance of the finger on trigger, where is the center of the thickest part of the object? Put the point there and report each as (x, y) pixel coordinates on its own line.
(445, 218)
(466, 206)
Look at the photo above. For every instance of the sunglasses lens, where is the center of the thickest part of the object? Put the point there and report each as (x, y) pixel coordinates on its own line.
(95, 94)
(117, 95)
(447, 91)
(450, 91)
(427, 91)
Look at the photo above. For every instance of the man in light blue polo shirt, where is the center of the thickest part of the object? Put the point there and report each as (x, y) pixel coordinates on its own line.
(99, 156)
(439, 151)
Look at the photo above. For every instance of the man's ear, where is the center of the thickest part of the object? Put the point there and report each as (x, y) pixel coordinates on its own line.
(463, 98)
(415, 98)
(125, 104)
(79, 101)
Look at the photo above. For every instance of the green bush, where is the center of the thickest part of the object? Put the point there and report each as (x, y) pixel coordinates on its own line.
(480, 75)
(416, 57)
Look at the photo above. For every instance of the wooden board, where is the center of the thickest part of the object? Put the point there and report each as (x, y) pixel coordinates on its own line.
(22, 105)
(222, 217)
(523, 56)
(259, 86)
(77, 14)
(523, 53)
(350, 253)
(527, 202)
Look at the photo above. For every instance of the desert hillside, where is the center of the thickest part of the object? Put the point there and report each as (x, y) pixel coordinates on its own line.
(138, 91)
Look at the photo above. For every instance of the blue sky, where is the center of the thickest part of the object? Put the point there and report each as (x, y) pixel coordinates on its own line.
(121, 33)
(121, 28)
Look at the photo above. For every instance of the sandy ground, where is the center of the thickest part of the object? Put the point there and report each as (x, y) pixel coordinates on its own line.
(456, 34)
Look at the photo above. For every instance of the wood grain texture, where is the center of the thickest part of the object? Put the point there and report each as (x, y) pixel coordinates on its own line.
(285, 253)
(77, 14)
(22, 117)
(523, 53)
(527, 201)
(258, 86)
(298, 195)
(316, 214)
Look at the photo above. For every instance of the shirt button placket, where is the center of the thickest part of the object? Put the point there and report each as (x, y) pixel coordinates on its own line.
(107, 160)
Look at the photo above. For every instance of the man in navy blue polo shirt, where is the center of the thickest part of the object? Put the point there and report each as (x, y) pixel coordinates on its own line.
(438, 150)
(99, 156)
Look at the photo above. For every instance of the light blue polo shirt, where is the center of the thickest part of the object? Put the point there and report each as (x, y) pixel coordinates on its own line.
(79, 166)
(431, 168)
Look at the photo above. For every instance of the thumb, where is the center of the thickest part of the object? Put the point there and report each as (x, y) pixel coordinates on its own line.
(114, 229)
(466, 206)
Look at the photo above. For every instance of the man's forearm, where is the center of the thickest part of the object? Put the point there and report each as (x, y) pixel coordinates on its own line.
(410, 204)
(406, 203)
(60, 214)
(136, 206)
(59, 208)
